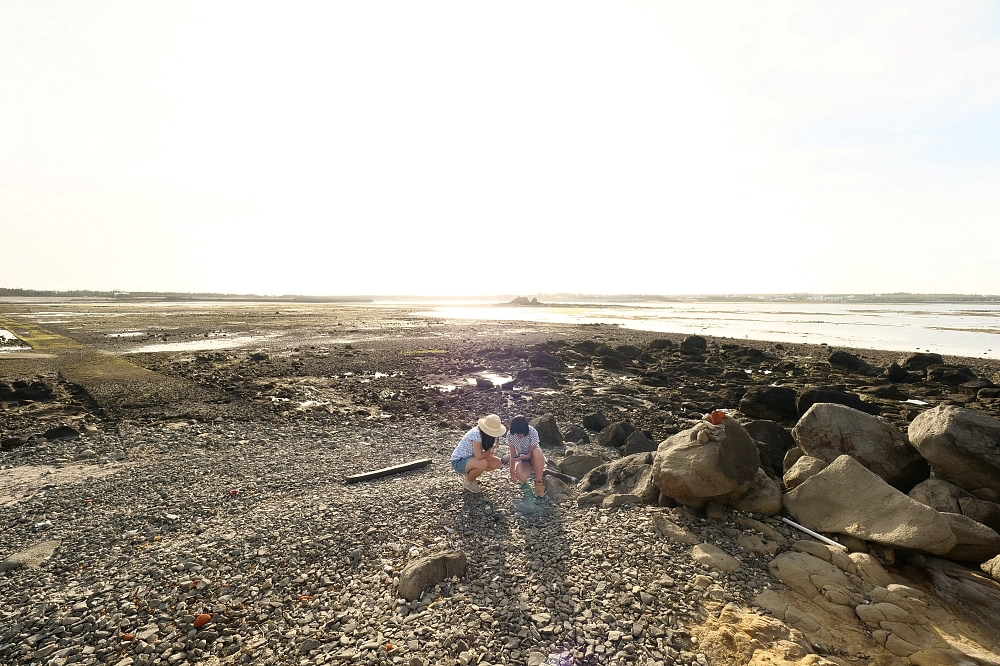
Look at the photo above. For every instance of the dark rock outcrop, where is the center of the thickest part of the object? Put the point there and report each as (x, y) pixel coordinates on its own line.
(771, 403)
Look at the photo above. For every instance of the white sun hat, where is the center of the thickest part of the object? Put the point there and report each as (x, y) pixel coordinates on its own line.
(491, 426)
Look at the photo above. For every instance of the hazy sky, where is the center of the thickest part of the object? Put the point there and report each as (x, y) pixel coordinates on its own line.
(505, 147)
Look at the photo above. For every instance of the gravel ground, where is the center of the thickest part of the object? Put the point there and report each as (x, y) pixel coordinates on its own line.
(253, 525)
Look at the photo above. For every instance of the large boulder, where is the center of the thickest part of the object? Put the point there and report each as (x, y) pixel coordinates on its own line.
(773, 441)
(684, 467)
(975, 542)
(949, 498)
(836, 395)
(919, 361)
(615, 434)
(803, 468)
(829, 430)
(951, 375)
(631, 475)
(963, 446)
(939, 494)
(981, 511)
(429, 570)
(595, 421)
(548, 431)
(763, 496)
(576, 435)
(637, 442)
(848, 498)
(847, 361)
(772, 403)
(577, 466)
(693, 344)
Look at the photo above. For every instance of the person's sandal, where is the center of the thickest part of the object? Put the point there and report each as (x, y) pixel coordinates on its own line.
(539, 489)
(472, 487)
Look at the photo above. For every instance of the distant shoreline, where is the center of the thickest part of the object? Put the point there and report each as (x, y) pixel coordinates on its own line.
(537, 300)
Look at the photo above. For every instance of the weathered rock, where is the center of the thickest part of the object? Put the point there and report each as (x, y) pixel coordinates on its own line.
(919, 360)
(672, 530)
(693, 344)
(615, 434)
(536, 378)
(835, 395)
(637, 442)
(792, 456)
(660, 344)
(829, 430)
(981, 511)
(576, 435)
(429, 570)
(952, 375)
(804, 467)
(616, 500)
(591, 498)
(992, 567)
(631, 475)
(548, 431)
(684, 468)
(25, 390)
(965, 590)
(595, 422)
(896, 373)
(744, 637)
(543, 359)
(773, 403)
(818, 580)
(963, 445)
(847, 361)
(32, 556)
(975, 542)
(847, 498)
(975, 386)
(773, 441)
(939, 494)
(764, 496)
(714, 557)
(557, 489)
(61, 432)
(578, 466)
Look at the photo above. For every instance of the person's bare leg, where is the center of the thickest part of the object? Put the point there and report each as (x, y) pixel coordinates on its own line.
(522, 471)
(538, 464)
(474, 468)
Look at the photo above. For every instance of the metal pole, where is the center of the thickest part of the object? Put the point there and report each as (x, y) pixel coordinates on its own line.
(808, 531)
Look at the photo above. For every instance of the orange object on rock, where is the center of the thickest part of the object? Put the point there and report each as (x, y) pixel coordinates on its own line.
(717, 416)
(202, 620)
(127, 637)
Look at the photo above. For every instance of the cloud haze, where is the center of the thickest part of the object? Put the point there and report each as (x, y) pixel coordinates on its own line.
(475, 148)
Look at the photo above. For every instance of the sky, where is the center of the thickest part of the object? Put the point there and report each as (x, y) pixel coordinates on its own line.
(472, 148)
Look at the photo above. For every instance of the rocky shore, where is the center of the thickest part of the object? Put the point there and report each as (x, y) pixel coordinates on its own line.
(205, 519)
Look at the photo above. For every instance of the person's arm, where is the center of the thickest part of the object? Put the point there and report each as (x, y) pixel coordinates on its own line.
(512, 461)
(477, 451)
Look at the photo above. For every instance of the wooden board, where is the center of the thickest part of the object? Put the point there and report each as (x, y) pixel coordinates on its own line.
(388, 471)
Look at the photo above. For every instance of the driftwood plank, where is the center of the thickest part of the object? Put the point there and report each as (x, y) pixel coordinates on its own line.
(388, 471)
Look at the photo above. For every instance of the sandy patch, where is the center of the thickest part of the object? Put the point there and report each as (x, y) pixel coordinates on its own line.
(20, 483)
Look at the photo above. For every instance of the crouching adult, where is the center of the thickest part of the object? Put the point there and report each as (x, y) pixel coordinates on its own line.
(476, 452)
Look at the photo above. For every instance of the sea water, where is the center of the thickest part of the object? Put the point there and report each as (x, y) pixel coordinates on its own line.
(963, 329)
